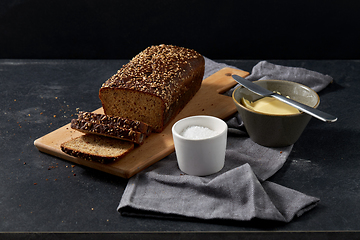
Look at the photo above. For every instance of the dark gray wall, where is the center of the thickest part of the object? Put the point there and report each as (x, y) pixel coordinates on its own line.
(247, 29)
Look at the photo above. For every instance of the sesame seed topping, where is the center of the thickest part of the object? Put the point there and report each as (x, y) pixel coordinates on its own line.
(157, 70)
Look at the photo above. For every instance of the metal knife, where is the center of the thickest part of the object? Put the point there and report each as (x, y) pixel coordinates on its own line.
(267, 93)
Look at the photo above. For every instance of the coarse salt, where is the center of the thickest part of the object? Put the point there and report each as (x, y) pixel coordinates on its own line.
(197, 132)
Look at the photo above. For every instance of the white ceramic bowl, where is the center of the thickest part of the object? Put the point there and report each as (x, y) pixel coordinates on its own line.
(200, 157)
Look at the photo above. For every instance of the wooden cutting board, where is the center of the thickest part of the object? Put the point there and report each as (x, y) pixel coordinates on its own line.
(207, 101)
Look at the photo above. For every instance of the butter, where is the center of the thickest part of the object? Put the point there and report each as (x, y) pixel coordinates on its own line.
(269, 105)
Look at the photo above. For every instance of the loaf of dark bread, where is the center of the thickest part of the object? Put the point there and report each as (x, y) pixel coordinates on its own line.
(154, 86)
(97, 148)
(116, 127)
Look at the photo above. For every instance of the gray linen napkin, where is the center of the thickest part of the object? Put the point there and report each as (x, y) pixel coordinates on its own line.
(240, 190)
(236, 194)
(266, 70)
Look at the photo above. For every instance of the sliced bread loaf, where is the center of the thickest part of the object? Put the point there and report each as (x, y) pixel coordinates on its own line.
(154, 86)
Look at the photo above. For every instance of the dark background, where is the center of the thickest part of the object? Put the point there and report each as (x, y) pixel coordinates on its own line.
(71, 200)
(247, 29)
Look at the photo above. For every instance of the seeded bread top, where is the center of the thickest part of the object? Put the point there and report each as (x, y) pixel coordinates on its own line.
(156, 70)
(116, 122)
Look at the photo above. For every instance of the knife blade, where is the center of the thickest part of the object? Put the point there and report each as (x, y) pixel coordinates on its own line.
(267, 93)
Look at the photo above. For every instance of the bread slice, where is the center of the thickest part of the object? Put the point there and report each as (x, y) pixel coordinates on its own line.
(97, 148)
(115, 121)
(154, 86)
(116, 127)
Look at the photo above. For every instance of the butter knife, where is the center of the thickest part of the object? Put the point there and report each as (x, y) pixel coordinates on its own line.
(267, 93)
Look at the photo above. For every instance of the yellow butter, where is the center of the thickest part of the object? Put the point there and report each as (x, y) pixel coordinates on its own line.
(269, 105)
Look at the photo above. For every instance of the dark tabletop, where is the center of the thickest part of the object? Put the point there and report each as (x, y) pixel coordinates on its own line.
(42, 194)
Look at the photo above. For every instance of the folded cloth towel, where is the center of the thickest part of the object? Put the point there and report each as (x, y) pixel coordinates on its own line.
(240, 191)
(236, 194)
(265, 70)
